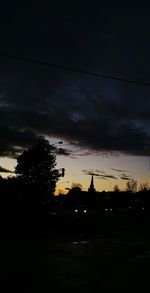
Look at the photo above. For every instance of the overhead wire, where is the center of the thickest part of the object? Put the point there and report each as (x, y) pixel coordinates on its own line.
(73, 69)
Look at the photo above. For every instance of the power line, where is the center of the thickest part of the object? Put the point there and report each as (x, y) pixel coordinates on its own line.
(90, 73)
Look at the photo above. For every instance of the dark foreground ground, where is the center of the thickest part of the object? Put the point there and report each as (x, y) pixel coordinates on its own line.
(64, 254)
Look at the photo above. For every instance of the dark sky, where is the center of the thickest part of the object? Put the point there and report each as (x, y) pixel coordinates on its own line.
(96, 113)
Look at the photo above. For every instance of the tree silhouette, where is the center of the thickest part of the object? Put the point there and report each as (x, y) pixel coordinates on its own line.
(131, 185)
(116, 188)
(143, 186)
(75, 193)
(36, 172)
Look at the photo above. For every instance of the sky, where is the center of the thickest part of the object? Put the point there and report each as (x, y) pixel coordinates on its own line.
(104, 123)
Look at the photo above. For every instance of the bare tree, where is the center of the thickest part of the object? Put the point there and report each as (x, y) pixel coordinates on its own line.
(116, 188)
(131, 185)
(76, 185)
(143, 186)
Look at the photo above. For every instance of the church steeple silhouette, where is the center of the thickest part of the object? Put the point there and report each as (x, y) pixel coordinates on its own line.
(91, 188)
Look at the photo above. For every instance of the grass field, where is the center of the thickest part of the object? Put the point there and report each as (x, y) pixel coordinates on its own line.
(112, 253)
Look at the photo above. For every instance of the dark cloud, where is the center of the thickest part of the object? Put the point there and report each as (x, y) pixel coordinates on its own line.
(118, 170)
(63, 152)
(100, 176)
(125, 178)
(94, 114)
(89, 172)
(15, 140)
(84, 153)
(96, 172)
(100, 125)
(99, 171)
(108, 176)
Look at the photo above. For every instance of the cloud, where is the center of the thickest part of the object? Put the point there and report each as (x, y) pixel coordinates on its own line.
(99, 171)
(107, 126)
(3, 170)
(108, 176)
(100, 115)
(93, 171)
(15, 140)
(100, 176)
(63, 152)
(118, 170)
(125, 178)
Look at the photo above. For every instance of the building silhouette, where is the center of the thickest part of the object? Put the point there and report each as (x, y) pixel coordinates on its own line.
(91, 188)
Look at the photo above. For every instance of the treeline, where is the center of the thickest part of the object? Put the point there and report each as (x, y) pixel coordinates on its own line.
(115, 201)
(24, 198)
